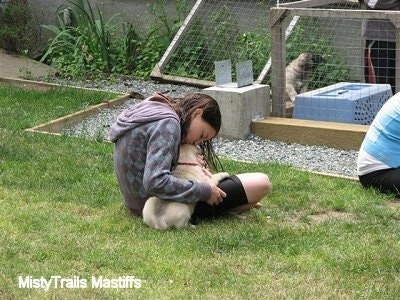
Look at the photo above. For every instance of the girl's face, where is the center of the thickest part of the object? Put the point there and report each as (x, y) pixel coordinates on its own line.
(199, 130)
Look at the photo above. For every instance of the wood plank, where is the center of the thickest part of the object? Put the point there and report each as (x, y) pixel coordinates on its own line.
(308, 132)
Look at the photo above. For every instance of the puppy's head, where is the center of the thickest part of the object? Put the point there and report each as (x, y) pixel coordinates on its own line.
(309, 61)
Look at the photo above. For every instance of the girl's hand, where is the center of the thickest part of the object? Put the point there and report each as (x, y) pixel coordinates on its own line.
(217, 195)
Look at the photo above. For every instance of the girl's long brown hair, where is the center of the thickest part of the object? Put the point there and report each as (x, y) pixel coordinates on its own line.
(185, 108)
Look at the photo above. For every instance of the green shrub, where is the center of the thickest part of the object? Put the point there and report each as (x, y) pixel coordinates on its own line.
(191, 57)
(19, 31)
(83, 49)
(255, 46)
(219, 40)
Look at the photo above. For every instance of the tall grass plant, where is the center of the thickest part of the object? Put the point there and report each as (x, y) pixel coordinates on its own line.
(90, 46)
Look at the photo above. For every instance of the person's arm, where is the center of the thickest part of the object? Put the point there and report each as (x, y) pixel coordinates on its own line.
(162, 149)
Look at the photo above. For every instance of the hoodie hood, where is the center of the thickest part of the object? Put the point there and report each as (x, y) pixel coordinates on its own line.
(146, 111)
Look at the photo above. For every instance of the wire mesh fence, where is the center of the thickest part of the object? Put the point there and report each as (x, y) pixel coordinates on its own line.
(240, 30)
(331, 35)
(217, 30)
(338, 41)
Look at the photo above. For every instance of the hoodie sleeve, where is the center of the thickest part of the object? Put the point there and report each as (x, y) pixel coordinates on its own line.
(163, 139)
(141, 113)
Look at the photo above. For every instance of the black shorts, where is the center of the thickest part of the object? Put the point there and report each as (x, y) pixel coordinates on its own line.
(235, 196)
(386, 181)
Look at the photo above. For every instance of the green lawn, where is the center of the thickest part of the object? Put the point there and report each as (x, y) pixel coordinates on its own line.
(61, 218)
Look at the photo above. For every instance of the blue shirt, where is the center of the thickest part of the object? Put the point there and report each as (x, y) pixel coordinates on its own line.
(382, 140)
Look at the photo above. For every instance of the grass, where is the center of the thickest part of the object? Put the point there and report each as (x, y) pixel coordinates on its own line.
(61, 214)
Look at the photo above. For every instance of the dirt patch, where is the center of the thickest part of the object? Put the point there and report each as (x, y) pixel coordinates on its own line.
(332, 215)
(321, 217)
(395, 204)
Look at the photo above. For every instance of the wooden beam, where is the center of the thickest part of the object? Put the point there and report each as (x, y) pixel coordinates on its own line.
(309, 3)
(278, 59)
(308, 132)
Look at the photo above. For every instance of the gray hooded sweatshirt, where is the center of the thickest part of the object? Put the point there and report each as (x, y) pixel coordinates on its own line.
(147, 138)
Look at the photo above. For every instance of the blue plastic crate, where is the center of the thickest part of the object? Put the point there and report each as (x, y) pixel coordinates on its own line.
(356, 103)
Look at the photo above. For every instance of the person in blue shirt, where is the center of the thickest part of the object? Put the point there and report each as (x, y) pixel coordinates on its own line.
(378, 163)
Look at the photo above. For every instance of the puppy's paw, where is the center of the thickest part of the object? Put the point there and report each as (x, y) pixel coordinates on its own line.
(220, 176)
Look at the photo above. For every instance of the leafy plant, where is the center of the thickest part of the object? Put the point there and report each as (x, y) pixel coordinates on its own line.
(205, 44)
(218, 39)
(192, 57)
(223, 34)
(150, 51)
(18, 28)
(162, 23)
(85, 48)
(129, 44)
(90, 46)
(255, 46)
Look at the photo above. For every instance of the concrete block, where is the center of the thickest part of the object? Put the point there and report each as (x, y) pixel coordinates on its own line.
(239, 107)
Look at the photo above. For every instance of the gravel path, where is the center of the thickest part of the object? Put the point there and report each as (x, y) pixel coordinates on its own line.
(254, 148)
